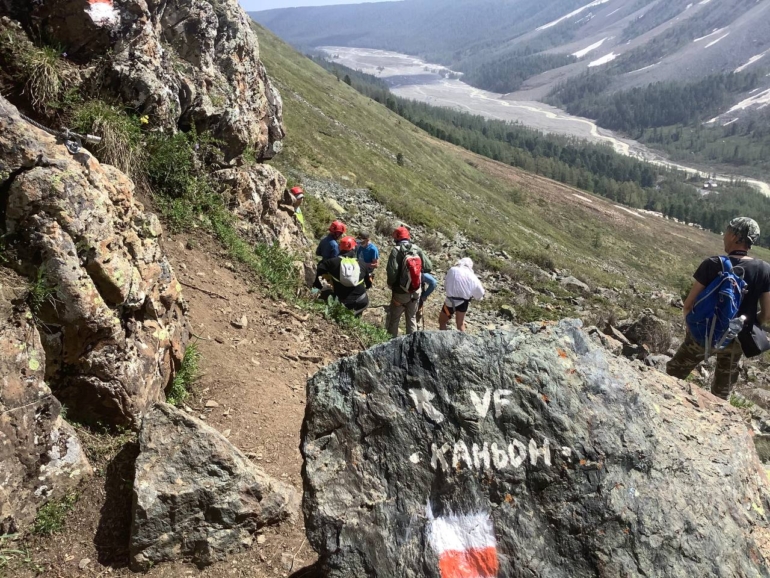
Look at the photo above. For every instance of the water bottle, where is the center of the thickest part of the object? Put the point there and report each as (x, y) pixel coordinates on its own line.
(735, 327)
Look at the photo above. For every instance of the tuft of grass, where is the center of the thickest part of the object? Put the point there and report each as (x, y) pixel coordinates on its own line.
(384, 226)
(52, 516)
(121, 134)
(40, 291)
(368, 334)
(11, 554)
(47, 75)
(187, 375)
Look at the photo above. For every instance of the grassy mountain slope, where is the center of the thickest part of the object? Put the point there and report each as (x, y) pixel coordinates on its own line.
(336, 133)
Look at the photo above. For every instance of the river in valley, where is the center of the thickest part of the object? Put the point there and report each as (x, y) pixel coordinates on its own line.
(410, 77)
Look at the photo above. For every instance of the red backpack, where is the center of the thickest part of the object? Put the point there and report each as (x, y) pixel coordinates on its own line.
(410, 275)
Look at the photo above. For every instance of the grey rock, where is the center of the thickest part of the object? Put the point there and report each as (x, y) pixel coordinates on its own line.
(650, 330)
(196, 496)
(40, 455)
(114, 324)
(657, 361)
(508, 312)
(574, 284)
(758, 395)
(564, 460)
(608, 342)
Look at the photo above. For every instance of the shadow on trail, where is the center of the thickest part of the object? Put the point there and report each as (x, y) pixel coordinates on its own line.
(114, 531)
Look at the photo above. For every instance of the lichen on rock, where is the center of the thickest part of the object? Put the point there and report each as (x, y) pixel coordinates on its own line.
(114, 329)
(40, 456)
(183, 63)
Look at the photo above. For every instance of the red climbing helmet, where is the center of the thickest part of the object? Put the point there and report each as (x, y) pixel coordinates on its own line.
(401, 234)
(337, 228)
(347, 244)
(297, 192)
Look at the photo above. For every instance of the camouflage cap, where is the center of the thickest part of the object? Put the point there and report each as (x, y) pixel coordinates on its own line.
(746, 229)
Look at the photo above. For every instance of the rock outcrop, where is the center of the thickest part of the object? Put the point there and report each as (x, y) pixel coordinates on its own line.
(40, 456)
(196, 496)
(112, 321)
(255, 195)
(530, 453)
(182, 63)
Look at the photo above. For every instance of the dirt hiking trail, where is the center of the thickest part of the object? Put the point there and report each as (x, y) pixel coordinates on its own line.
(252, 389)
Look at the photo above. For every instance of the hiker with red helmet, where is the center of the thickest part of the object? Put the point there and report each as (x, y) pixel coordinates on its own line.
(297, 195)
(406, 265)
(329, 248)
(349, 276)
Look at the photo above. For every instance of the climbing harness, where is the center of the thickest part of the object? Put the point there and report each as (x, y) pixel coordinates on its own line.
(72, 140)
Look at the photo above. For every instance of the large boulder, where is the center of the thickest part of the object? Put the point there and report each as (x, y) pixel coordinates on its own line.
(650, 330)
(196, 496)
(112, 317)
(530, 453)
(40, 456)
(183, 63)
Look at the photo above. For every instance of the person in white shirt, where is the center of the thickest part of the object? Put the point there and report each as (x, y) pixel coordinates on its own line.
(461, 286)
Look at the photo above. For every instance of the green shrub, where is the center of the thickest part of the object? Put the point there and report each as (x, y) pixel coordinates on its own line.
(187, 375)
(180, 181)
(367, 333)
(121, 135)
(40, 291)
(318, 215)
(741, 402)
(51, 517)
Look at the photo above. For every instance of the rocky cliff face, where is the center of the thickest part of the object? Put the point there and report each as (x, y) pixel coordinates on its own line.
(40, 455)
(183, 63)
(112, 318)
(530, 453)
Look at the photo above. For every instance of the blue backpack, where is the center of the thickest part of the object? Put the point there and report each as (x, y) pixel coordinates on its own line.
(716, 307)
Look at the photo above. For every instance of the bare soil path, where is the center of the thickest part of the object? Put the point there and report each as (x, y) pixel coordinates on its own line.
(256, 376)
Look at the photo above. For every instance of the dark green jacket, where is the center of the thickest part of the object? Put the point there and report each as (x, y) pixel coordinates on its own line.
(394, 263)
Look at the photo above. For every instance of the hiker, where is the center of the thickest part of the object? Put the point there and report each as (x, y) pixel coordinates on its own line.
(405, 267)
(369, 254)
(348, 275)
(429, 284)
(329, 248)
(739, 237)
(297, 196)
(461, 286)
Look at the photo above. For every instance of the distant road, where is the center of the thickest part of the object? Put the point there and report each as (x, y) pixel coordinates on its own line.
(410, 77)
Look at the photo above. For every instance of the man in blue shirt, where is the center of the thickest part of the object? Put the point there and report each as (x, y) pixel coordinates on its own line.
(328, 248)
(369, 254)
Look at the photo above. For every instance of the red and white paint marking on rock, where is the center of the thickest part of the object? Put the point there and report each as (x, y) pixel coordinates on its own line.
(466, 545)
(102, 12)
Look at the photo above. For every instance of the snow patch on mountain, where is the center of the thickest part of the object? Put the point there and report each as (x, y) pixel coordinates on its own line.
(573, 13)
(712, 43)
(760, 100)
(587, 49)
(751, 61)
(603, 60)
(714, 33)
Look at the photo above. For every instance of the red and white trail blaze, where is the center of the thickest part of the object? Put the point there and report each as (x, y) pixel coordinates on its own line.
(466, 545)
(102, 12)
